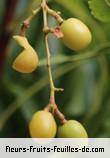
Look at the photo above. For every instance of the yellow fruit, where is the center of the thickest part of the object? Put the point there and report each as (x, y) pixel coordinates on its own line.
(27, 61)
(77, 36)
(72, 129)
(42, 125)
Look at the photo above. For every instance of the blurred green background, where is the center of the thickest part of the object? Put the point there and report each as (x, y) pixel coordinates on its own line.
(84, 75)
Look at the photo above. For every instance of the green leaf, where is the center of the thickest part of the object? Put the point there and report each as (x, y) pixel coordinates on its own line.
(101, 89)
(76, 102)
(100, 9)
(107, 2)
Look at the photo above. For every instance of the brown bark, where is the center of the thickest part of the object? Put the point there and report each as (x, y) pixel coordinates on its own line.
(5, 32)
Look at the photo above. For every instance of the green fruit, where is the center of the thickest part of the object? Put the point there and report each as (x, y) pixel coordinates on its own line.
(42, 125)
(72, 129)
(77, 36)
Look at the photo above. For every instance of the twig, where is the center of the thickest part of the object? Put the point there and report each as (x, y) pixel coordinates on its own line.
(55, 14)
(52, 87)
(52, 105)
(27, 22)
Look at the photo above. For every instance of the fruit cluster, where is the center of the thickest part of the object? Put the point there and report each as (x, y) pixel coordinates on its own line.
(76, 36)
(43, 125)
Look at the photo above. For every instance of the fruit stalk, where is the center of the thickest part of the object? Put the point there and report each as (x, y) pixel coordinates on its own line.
(55, 14)
(27, 22)
(45, 29)
(52, 93)
(52, 105)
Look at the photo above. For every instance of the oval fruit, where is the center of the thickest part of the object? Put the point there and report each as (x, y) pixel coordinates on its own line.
(72, 129)
(76, 34)
(26, 61)
(42, 125)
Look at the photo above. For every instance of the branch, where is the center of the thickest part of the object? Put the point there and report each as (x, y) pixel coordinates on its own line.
(27, 22)
(51, 105)
(52, 87)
